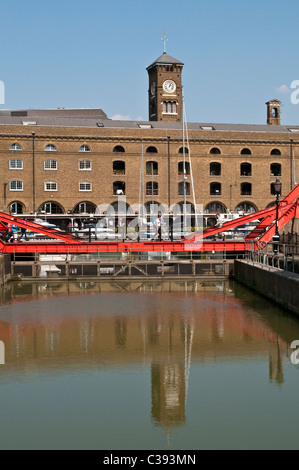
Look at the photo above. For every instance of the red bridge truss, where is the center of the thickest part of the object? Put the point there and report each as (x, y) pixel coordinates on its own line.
(62, 242)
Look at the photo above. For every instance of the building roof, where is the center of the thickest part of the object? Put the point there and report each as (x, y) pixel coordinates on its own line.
(166, 59)
(92, 118)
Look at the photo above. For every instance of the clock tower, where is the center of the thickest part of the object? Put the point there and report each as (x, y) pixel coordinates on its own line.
(165, 101)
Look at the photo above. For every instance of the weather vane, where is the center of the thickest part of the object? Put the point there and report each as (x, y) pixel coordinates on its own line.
(165, 39)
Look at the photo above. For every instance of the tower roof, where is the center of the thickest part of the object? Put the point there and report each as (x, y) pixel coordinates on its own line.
(167, 60)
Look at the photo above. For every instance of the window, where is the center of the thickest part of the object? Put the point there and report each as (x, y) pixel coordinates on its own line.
(51, 186)
(245, 169)
(119, 188)
(16, 185)
(152, 188)
(85, 186)
(16, 208)
(50, 164)
(215, 169)
(151, 168)
(245, 152)
(15, 147)
(181, 188)
(181, 168)
(215, 189)
(214, 207)
(15, 164)
(50, 148)
(275, 152)
(119, 167)
(51, 208)
(84, 208)
(246, 207)
(85, 165)
(118, 148)
(215, 151)
(169, 107)
(151, 150)
(181, 150)
(275, 169)
(84, 148)
(246, 189)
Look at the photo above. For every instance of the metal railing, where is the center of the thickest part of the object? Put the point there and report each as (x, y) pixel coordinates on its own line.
(274, 254)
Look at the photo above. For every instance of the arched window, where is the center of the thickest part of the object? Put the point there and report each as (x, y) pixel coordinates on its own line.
(246, 207)
(85, 186)
(119, 167)
(16, 208)
(272, 189)
(85, 165)
(215, 151)
(181, 168)
(50, 186)
(169, 107)
(15, 146)
(245, 152)
(215, 189)
(151, 150)
(151, 168)
(272, 204)
(246, 189)
(275, 152)
(181, 150)
(119, 207)
(246, 169)
(152, 188)
(50, 207)
(16, 185)
(84, 207)
(215, 169)
(275, 169)
(84, 148)
(119, 188)
(181, 188)
(50, 164)
(50, 148)
(118, 148)
(15, 164)
(214, 207)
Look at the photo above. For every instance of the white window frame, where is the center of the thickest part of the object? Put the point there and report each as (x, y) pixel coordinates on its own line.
(18, 183)
(16, 160)
(84, 189)
(50, 148)
(16, 146)
(51, 162)
(84, 163)
(53, 186)
(84, 148)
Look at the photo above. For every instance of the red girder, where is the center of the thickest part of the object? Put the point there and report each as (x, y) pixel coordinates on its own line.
(264, 231)
(59, 235)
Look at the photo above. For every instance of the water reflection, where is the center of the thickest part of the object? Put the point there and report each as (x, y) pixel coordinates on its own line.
(55, 327)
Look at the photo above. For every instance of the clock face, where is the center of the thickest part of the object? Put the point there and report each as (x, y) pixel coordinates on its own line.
(169, 86)
(153, 88)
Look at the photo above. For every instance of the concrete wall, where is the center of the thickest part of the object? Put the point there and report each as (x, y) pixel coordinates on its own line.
(280, 286)
(5, 268)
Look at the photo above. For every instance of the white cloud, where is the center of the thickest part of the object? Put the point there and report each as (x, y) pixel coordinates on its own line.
(283, 89)
(120, 117)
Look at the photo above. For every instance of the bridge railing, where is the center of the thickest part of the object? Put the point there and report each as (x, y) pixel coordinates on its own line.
(274, 254)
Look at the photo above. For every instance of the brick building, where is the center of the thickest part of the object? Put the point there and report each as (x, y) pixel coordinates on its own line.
(69, 161)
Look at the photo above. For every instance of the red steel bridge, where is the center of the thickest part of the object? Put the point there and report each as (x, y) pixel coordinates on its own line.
(202, 242)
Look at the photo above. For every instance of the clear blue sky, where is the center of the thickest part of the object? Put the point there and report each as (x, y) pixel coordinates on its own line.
(238, 54)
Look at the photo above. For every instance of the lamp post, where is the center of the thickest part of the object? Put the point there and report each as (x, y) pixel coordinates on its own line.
(277, 191)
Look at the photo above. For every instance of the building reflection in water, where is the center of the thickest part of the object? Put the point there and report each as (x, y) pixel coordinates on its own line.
(53, 326)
